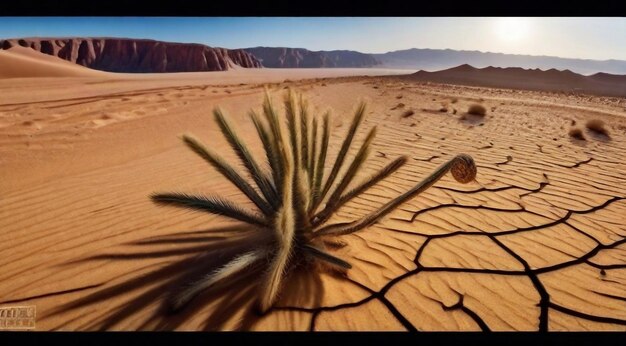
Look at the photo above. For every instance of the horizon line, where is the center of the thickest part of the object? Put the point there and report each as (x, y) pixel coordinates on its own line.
(330, 50)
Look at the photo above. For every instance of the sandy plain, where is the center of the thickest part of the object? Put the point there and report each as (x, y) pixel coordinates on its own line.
(537, 242)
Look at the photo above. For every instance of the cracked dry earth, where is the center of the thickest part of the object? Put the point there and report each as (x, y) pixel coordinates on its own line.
(537, 242)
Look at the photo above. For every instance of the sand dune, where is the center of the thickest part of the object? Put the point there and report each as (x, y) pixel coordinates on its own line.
(537, 242)
(20, 62)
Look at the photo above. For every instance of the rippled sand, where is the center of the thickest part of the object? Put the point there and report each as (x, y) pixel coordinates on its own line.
(537, 242)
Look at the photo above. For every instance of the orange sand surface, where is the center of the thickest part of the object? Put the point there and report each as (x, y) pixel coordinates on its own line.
(536, 242)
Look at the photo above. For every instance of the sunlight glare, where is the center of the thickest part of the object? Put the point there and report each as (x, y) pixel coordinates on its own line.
(512, 29)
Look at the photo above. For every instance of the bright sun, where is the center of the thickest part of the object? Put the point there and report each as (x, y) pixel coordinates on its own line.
(511, 29)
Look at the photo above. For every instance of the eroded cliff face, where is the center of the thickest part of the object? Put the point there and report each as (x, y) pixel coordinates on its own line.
(281, 57)
(132, 55)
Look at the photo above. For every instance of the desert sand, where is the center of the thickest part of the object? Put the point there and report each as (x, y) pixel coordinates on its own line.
(24, 62)
(537, 242)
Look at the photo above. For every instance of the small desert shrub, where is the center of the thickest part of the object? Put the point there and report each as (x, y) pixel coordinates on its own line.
(576, 133)
(408, 113)
(597, 126)
(443, 110)
(477, 109)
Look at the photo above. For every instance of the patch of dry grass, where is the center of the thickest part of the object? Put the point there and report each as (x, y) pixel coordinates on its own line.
(597, 126)
(476, 109)
(408, 113)
(576, 133)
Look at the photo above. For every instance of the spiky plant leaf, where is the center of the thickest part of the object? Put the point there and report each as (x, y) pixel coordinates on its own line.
(209, 204)
(304, 129)
(463, 170)
(321, 161)
(229, 172)
(240, 148)
(293, 125)
(356, 121)
(271, 153)
(325, 256)
(231, 268)
(277, 139)
(285, 230)
(312, 157)
(360, 157)
(386, 171)
(299, 188)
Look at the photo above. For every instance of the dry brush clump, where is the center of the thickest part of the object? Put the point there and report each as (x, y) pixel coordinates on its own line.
(476, 109)
(408, 113)
(444, 107)
(597, 127)
(576, 133)
(294, 199)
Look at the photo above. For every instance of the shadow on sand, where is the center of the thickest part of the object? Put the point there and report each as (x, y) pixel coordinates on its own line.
(471, 119)
(231, 303)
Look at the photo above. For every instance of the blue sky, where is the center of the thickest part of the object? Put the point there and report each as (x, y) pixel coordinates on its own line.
(589, 38)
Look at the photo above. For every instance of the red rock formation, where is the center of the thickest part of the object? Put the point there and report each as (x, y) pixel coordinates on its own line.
(131, 55)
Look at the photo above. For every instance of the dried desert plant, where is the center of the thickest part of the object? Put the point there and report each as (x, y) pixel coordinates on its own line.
(408, 113)
(576, 133)
(476, 109)
(597, 126)
(294, 200)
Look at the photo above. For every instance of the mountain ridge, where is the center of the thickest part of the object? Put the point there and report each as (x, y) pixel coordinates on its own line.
(137, 55)
(148, 55)
(439, 59)
(286, 57)
(526, 79)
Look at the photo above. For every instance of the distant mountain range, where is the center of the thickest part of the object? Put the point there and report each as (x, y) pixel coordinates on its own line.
(527, 79)
(426, 59)
(283, 57)
(438, 59)
(139, 55)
